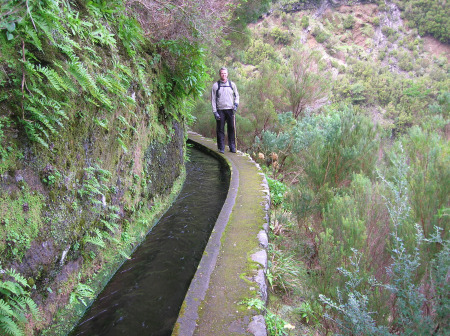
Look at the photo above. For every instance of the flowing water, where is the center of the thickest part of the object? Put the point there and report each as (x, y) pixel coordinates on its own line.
(145, 295)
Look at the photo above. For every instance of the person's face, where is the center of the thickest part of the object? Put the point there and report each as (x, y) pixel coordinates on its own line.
(223, 75)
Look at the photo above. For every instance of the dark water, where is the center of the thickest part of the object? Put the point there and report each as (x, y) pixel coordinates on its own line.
(145, 295)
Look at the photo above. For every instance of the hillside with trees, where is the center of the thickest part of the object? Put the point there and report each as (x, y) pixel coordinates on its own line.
(345, 104)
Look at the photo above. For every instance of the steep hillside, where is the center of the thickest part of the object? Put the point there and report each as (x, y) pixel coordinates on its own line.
(345, 104)
(360, 53)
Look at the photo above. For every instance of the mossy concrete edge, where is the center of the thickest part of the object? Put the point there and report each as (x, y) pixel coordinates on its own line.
(190, 314)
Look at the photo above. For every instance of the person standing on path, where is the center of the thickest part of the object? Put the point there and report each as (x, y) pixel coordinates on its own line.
(225, 101)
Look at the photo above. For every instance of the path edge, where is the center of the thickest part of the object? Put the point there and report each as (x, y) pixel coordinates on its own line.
(188, 317)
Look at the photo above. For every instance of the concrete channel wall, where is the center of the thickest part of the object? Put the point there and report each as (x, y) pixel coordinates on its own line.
(232, 269)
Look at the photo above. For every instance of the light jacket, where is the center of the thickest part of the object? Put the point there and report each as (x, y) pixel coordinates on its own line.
(227, 98)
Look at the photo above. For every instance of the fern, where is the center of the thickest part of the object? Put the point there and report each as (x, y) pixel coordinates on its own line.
(112, 84)
(30, 130)
(42, 118)
(123, 254)
(53, 77)
(15, 303)
(9, 326)
(122, 144)
(9, 287)
(5, 309)
(97, 240)
(87, 82)
(34, 39)
(42, 22)
(110, 226)
(17, 277)
(81, 292)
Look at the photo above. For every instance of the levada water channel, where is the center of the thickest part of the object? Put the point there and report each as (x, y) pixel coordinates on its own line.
(145, 295)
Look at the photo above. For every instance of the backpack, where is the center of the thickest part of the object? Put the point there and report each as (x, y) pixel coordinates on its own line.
(218, 88)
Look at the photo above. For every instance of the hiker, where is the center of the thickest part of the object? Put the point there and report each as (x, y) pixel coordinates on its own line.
(225, 101)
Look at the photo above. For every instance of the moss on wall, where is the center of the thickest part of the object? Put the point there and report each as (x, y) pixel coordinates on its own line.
(90, 146)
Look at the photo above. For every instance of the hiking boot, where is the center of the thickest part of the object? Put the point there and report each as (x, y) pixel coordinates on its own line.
(221, 151)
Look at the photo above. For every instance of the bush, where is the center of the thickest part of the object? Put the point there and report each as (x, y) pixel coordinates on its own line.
(351, 312)
(320, 35)
(305, 21)
(376, 21)
(259, 51)
(281, 36)
(349, 22)
(277, 191)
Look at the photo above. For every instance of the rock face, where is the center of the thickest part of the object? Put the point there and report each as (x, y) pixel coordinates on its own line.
(90, 150)
(67, 204)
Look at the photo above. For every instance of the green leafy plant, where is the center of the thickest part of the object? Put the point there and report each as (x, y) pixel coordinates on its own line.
(284, 272)
(82, 293)
(275, 325)
(310, 312)
(277, 191)
(16, 306)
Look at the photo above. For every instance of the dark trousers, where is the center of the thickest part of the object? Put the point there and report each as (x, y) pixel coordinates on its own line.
(226, 116)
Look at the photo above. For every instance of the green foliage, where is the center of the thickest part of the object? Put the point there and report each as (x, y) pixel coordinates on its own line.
(81, 293)
(351, 311)
(4, 152)
(258, 52)
(96, 192)
(21, 219)
(188, 74)
(51, 70)
(349, 22)
(429, 177)
(331, 147)
(306, 85)
(249, 11)
(310, 312)
(352, 304)
(320, 34)
(305, 21)
(429, 17)
(277, 191)
(275, 325)
(16, 306)
(281, 36)
(11, 14)
(284, 272)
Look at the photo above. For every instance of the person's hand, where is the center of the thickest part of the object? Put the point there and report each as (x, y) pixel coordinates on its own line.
(217, 116)
(235, 107)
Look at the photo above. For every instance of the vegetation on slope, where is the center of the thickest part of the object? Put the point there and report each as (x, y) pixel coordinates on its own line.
(429, 17)
(348, 114)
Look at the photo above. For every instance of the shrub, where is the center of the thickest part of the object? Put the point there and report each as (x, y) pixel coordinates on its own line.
(281, 36)
(259, 52)
(376, 21)
(320, 35)
(348, 22)
(387, 31)
(284, 271)
(351, 312)
(277, 191)
(305, 21)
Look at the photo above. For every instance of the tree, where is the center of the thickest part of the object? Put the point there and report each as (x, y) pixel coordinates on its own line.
(305, 84)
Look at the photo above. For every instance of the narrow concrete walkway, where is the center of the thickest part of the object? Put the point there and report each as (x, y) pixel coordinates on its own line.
(233, 264)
